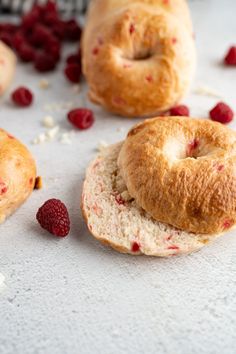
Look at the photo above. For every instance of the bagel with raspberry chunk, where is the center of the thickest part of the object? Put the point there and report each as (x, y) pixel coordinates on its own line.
(169, 188)
(138, 56)
(7, 67)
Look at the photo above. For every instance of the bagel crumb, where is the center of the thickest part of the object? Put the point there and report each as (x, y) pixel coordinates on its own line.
(38, 182)
(48, 122)
(44, 84)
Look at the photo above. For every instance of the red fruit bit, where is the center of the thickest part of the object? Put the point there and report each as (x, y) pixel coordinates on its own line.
(135, 247)
(100, 41)
(118, 101)
(72, 30)
(230, 58)
(51, 7)
(119, 199)
(73, 59)
(221, 113)
(22, 97)
(44, 62)
(10, 136)
(6, 38)
(131, 28)
(53, 217)
(149, 78)
(227, 224)
(26, 52)
(31, 181)
(174, 40)
(180, 110)
(193, 145)
(18, 40)
(169, 238)
(81, 118)
(173, 247)
(95, 51)
(220, 167)
(73, 72)
(165, 2)
(29, 20)
(3, 187)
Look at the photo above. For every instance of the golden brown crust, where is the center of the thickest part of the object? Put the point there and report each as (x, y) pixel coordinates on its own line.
(7, 66)
(17, 174)
(138, 56)
(183, 172)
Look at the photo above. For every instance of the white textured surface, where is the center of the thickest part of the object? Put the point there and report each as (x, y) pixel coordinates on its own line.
(73, 295)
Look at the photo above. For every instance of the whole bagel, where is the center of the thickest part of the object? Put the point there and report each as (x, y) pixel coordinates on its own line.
(7, 66)
(138, 56)
(182, 171)
(17, 174)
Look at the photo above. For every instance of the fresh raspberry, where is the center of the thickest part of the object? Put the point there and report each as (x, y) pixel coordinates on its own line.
(81, 118)
(18, 40)
(221, 113)
(73, 59)
(51, 7)
(26, 52)
(6, 38)
(41, 35)
(22, 97)
(73, 72)
(230, 58)
(44, 62)
(72, 30)
(53, 217)
(180, 110)
(53, 48)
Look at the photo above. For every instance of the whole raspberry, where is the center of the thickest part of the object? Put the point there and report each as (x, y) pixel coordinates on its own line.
(180, 110)
(53, 217)
(26, 52)
(44, 62)
(221, 113)
(73, 72)
(81, 118)
(22, 97)
(230, 58)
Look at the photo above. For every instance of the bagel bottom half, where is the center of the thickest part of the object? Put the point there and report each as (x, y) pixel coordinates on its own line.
(115, 219)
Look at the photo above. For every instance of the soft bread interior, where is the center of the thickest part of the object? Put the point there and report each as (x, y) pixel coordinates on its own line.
(115, 219)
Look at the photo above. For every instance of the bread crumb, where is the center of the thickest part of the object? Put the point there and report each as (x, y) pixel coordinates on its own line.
(48, 122)
(38, 182)
(206, 91)
(44, 84)
(102, 145)
(51, 133)
(65, 138)
(41, 138)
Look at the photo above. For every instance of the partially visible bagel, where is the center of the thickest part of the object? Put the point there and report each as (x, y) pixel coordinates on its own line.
(17, 174)
(7, 66)
(115, 219)
(138, 55)
(182, 171)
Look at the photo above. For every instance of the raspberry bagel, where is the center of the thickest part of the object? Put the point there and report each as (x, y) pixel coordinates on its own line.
(7, 66)
(138, 56)
(169, 188)
(17, 174)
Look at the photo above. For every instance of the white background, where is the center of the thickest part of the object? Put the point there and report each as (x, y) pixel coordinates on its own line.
(74, 295)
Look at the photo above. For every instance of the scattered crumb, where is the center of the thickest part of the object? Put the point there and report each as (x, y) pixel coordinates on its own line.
(206, 91)
(41, 138)
(76, 88)
(59, 106)
(44, 84)
(102, 145)
(48, 122)
(51, 133)
(65, 138)
(38, 183)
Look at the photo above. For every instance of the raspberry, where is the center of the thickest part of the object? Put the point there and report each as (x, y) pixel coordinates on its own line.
(73, 72)
(230, 58)
(51, 7)
(22, 97)
(53, 217)
(72, 30)
(81, 118)
(73, 59)
(180, 110)
(41, 35)
(44, 62)
(26, 52)
(135, 247)
(6, 38)
(18, 40)
(221, 113)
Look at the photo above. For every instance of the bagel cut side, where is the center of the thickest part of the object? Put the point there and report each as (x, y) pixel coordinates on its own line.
(17, 174)
(138, 56)
(7, 66)
(182, 171)
(115, 219)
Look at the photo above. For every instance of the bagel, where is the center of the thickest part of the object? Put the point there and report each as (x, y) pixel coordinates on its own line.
(138, 56)
(182, 171)
(7, 66)
(114, 218)
(17, 174)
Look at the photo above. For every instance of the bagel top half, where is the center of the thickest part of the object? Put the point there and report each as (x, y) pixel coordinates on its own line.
(138, 56)
(7, 66)
(17, 174)
(182, 171)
